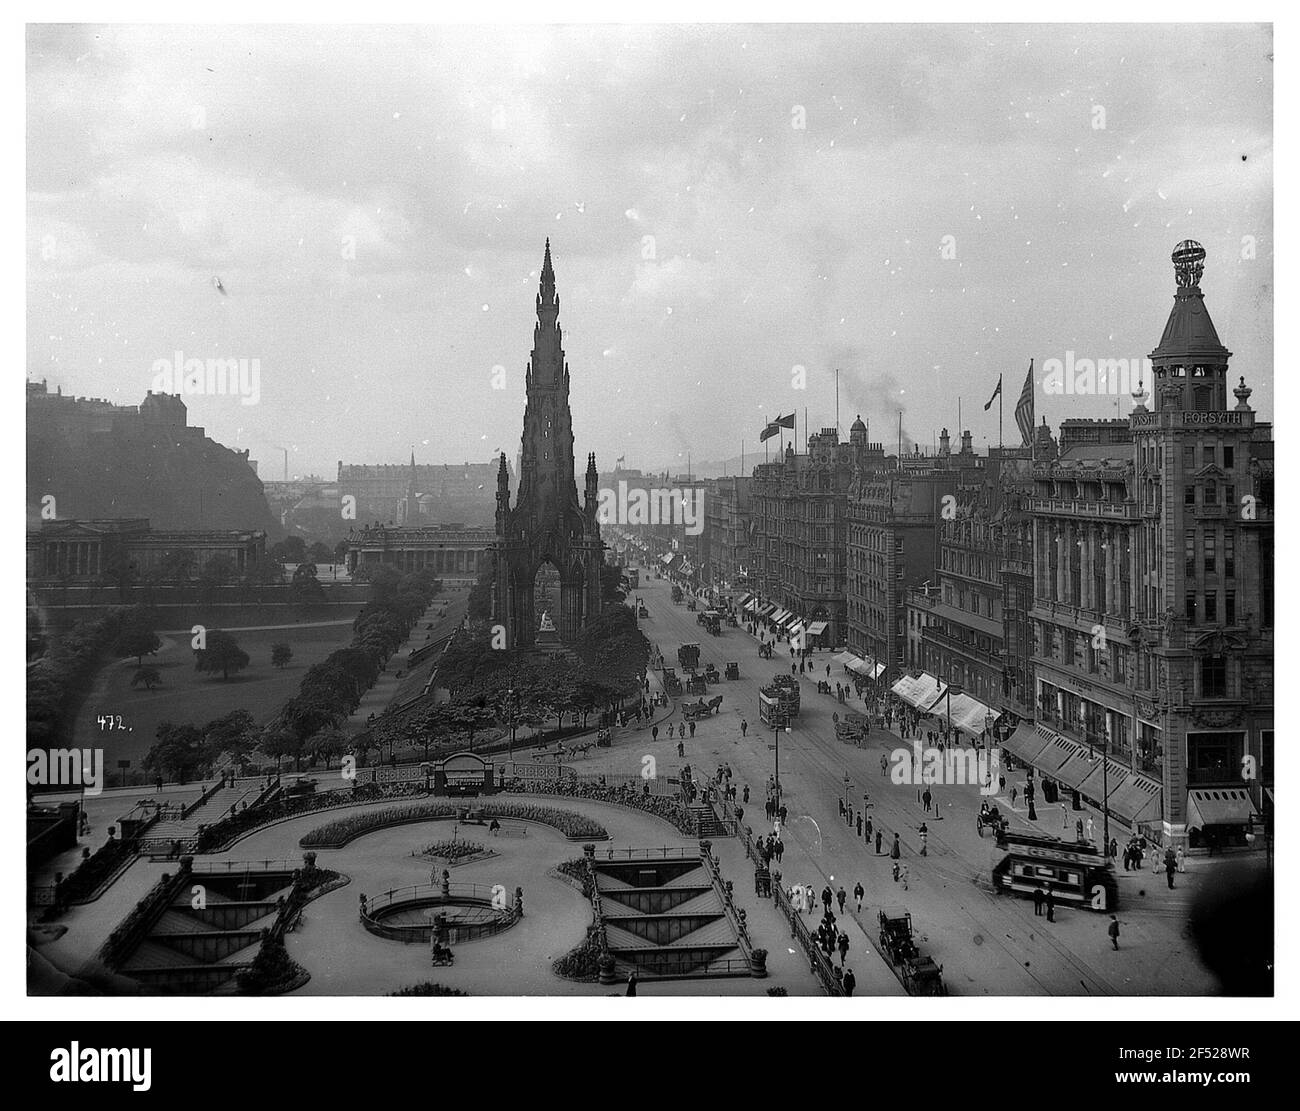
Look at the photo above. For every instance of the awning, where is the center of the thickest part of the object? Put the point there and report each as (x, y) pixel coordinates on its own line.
(844, 659)
(1218, 806)
(817, 628)
(919, 692)
(666, 559)
(751, 605)
(766, 611)
(970, 715)
(746, 600)
(1025, 743)
(1065, 761)
(1137, 800)
(797, 628)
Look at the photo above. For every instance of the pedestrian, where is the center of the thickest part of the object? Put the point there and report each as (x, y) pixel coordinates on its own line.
(926, 799)
(1013, 797)
(744, 727)
(858, 894)
(826, 898)
(1038, 902)
(925, 838)
(782, 812)
(1065, 817)
(877, 842)
(884, 764)
(1002, 783)
(859, 825)
(841, 802)
(897, 869)
(681, 749)
(1180, 858)
(1114, 847)
(746, 795)
(1051, 906)
(904, 876)
(843, 947)
(780, 849)
(1113, 930)
(897, 850)
(841, 896)
(811, 898)
(870, 830)
(1170, 867)
(692, 729)
(654, 733)
(631, 982)
(850, 982)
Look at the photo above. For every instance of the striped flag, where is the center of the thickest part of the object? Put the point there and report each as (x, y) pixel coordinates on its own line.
(775, 426)
(1025, 408)
(996, 394)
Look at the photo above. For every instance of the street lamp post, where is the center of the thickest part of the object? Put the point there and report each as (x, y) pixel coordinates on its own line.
(948, 695)
(777, 727)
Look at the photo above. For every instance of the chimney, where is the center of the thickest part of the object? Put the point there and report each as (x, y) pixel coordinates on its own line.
(966, 448)
(944, 442)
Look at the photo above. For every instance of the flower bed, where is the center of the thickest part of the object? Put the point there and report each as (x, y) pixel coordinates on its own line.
(453, 850)
(336, 834)
(666, 807)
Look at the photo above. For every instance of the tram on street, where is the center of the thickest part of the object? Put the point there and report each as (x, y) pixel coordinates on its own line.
(1075, 872)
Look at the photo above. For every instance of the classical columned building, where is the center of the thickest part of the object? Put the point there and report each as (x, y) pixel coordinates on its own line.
(448, 551)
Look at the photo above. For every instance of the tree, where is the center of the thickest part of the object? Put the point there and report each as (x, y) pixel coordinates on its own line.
(320, 553)
(327, 743)
(281, 654)
(138, 641)
(177, 753)
(234, 734)
(292, 549)
(147, 677)
(277, 742)
(304, 586)
(222, 654)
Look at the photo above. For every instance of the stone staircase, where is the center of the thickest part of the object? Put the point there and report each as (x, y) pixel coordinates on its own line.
(217, 806)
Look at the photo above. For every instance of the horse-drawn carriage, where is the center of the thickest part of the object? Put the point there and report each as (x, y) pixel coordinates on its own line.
(733, 671)
(990, 817)
(604, 738)
(695, 684)
(922, 976)
(896, 935)
(693, 711)
(711, 674)
(672, 684)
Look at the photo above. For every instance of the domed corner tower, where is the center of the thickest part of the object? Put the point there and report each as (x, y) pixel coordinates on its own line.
(547, 523)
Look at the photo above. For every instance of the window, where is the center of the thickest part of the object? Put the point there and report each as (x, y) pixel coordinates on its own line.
(1207, 455)
(1189, 457)
(1214, 758)
(1189, 553)
(1227, 457)
(1214, 676)
(1230, 607)
(1189, 496)
(1229, 497)
(1229, 554)
(1210, 560)
(1189, 607)
(1212, 606)
(1211, 493)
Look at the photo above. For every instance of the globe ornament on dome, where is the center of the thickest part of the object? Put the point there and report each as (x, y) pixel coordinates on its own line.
(1189, 263)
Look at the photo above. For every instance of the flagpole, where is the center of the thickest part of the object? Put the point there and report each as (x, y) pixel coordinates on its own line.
(999, 412)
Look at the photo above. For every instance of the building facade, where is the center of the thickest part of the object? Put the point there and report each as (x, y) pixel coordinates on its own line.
(1153, 602)
(128, 549)
(449, 551)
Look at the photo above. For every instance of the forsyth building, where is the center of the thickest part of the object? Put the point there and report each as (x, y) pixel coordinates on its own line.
(1153, 611)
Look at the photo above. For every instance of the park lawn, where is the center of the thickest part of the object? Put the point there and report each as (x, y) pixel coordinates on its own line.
(187, 696)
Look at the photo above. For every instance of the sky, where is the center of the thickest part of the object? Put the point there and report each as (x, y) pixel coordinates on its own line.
(735, 212)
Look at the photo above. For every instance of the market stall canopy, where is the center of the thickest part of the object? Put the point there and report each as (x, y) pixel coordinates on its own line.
(970, 715)
(919, 692)
(1218, 806)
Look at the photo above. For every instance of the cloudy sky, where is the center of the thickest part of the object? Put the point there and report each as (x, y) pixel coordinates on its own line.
(921, 207)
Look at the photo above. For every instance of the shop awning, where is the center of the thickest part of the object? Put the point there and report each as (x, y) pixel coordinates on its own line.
(817, 628)
(745, 601)
(1104, 779)
(666, 559)
(1025, 743)
(919, 692)
(1138, 799)
(867, 668)
(751, 605)
(1218, 806)
(970, 715)
(797, 628)
(1065, 761)
(844, 659)
(767, 610)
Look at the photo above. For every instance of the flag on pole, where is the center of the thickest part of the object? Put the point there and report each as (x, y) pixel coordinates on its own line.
(775, 426)
(1025, 408)
(996, 394)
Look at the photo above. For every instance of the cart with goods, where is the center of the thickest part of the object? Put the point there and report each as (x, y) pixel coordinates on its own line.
(733, 671)
(711, 674)
(688, 655)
